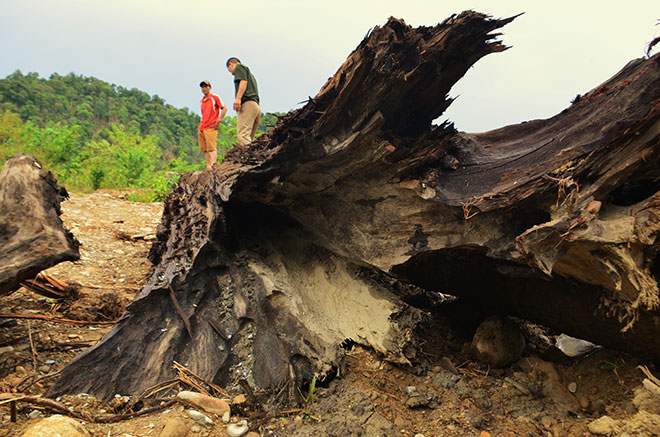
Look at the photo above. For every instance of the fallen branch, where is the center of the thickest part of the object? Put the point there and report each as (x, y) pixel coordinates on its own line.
(216, 327)
(70, 345)
(50, 375)
(62, 409)
(649, 375)
(53, 319)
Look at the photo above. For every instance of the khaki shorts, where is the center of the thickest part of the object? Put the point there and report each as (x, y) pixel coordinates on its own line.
(207, 139)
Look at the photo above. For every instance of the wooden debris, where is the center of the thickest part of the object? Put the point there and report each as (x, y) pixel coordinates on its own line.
(187, 376)
(48, 286)
(31, 231)
(60, 408)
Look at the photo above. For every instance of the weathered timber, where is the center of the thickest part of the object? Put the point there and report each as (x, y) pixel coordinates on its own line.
(32, 237)
(317, 234)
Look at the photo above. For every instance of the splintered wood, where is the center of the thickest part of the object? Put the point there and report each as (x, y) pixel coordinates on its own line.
(48, 286)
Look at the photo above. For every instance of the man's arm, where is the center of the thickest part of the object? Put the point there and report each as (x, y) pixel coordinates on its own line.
(242, 86)
(222, 115)
(220, 104)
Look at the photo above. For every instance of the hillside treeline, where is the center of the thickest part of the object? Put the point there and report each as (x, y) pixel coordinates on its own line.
(92, 134)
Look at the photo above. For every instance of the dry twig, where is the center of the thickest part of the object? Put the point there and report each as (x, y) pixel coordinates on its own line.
(186, 322)
(186, 375)
(34, 351)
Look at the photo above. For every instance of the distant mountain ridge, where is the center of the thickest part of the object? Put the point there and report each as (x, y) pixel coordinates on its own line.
(94, 104)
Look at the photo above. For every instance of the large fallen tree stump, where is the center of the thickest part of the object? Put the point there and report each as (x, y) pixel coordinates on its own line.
(32, 237)
(314, 236)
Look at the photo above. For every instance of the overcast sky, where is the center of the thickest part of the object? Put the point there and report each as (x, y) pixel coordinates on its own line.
(165, 47)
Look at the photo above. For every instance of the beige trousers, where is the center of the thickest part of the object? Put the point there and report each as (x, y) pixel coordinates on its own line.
(247, 122)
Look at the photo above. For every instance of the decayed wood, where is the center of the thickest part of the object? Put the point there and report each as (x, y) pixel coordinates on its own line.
(31, 233)
(321, 230)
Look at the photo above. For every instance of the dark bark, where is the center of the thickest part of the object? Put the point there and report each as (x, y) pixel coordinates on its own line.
(32, 237)
(315, 234)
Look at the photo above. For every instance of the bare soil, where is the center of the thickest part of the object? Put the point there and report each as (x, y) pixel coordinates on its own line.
(368, 397)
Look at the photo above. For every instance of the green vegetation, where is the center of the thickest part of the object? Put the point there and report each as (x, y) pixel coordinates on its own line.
(93, 135)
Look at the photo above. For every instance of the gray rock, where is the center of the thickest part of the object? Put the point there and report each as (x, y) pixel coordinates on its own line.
(573, 347)
(444, 380)
(200, 418)
(418, 398)
(34, 414)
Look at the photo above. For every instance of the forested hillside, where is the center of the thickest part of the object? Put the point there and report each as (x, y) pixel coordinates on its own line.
(93, 134)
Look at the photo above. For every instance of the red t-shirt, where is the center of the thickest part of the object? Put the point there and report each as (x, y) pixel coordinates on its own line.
(211, 107)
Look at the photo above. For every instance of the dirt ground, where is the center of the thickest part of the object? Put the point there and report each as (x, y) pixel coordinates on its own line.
(445, 394)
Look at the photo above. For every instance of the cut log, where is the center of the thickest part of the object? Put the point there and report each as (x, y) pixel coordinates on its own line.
(32, 237)
(317, 234)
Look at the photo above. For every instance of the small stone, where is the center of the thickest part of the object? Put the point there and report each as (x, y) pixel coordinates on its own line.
(598, 407)
(240, 399)
(226, 416)
(200, 418)
(175, 427)
(34, 414)
(603, 426)
(44, 369)
(207, 403)
(584, 402)
(252, 434)
(446, 364)
(56, 425)
(20, 369)
(50, 362)
(572, 387)
(298, 421)
(195, 428)
(419, 435)
(546, 422)
(6, 349)
(237, 429)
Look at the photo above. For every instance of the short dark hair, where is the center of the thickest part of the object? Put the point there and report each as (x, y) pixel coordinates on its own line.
(233, 60)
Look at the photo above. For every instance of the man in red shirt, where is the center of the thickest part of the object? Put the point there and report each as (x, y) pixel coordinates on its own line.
(207, 136)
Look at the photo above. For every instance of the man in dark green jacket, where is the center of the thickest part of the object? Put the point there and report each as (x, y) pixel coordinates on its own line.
(246, 103)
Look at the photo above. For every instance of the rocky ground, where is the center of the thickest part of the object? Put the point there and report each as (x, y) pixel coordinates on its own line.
(446, 393)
